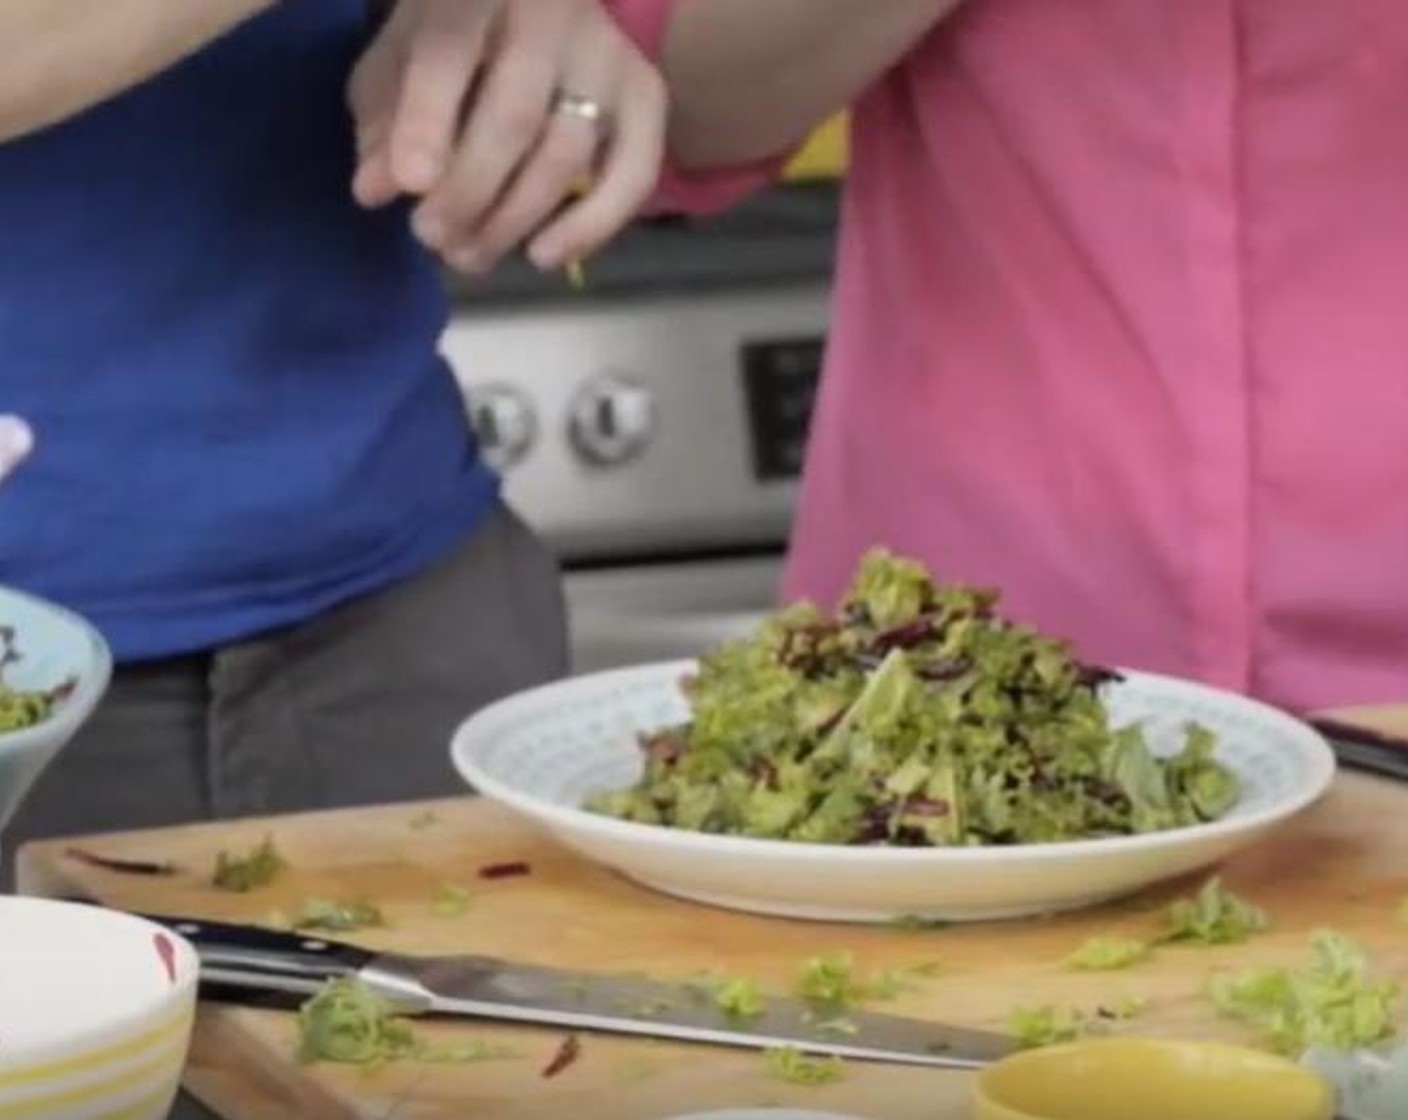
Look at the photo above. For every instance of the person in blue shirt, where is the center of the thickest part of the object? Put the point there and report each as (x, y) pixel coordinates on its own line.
(219, 317)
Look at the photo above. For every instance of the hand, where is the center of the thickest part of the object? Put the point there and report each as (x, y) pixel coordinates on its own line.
(16, 442)
(465, 105)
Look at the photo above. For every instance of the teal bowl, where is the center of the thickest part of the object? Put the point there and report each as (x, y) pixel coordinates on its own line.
(53, 647)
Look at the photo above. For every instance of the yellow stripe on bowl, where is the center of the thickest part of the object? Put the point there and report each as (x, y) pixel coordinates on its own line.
(163, 1070)
(154, 1104)
(99, 1056)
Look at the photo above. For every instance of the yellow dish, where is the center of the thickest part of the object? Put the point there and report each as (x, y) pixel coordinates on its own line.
(1125, 1079)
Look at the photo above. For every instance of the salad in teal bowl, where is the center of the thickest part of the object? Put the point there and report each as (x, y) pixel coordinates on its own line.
(54, 669)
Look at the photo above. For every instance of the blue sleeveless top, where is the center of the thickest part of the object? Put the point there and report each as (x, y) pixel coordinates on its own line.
(230, 368)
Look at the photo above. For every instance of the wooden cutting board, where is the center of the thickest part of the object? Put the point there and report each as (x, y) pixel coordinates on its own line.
(1345, 865)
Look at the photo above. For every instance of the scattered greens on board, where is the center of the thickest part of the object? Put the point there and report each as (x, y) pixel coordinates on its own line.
(1104, 954)
(830, 982)
(1215, 916)
(249, 871)
(740, 999)
(1033, 1027)
(790, 1064)
(346, 1022)
(452, 901)
(332, 916)
(1334, 1002)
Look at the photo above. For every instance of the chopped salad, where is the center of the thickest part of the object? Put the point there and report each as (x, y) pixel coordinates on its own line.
(915, 716)
(20, 708)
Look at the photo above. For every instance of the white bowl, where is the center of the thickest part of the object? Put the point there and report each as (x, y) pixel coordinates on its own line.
(544, 751)
(96, 1011)
(55, 646)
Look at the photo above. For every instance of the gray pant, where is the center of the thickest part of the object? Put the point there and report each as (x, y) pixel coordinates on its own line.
(352, 708)
(355, 707)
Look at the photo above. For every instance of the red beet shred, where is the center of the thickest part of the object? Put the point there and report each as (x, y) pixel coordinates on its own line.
(121, 866)
(505, 870)
(567, 1053)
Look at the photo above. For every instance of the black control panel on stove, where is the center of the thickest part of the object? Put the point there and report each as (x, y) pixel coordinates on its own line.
(780, 380)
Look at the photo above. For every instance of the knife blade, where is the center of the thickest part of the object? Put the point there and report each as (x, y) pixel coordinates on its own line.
(244, 963)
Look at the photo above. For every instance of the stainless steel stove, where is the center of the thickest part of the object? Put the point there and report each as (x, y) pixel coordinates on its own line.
(652, 428)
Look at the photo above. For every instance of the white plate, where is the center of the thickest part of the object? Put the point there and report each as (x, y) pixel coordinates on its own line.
(542, 752)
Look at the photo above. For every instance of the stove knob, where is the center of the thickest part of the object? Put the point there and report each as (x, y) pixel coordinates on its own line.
(504, 424)
(613, 420)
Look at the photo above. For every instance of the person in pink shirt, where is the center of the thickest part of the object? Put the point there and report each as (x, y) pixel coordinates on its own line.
(1121, 320)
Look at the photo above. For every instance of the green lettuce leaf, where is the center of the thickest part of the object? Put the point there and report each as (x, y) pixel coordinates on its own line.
(1034, 1027)
(791, 1065)
(1334, 1003)
(1215, 916)
(1103, 954)
(348, 1023)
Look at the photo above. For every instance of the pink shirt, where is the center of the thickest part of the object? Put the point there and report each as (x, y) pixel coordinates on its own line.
(1121, 327)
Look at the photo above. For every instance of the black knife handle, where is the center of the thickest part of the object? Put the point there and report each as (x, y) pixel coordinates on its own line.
(266, 959)
(1362, 749)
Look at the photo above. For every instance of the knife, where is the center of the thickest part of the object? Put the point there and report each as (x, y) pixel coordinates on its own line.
(1362, 749)
(249, 964)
